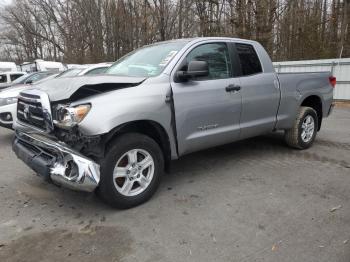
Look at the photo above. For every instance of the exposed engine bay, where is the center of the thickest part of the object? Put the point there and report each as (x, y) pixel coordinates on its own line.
(91, 146)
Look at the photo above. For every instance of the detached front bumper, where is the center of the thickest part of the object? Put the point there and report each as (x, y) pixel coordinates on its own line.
(57, 162)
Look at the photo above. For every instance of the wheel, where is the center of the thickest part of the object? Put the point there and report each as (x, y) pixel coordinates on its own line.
(304, 130)
(130, 171)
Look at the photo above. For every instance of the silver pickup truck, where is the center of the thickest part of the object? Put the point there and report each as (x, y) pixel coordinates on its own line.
(117, 133)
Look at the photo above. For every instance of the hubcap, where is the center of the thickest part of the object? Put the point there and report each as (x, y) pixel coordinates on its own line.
(308, 129)
(133, 172)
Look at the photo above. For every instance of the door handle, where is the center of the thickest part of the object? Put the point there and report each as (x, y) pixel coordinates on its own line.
(232, 88)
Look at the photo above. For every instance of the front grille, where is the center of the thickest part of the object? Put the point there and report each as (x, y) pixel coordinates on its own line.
(30, 111)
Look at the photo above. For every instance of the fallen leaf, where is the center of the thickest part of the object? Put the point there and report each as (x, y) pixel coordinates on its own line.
(213, 237)
(336, 208)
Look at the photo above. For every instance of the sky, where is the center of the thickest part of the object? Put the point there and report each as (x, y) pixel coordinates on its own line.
(4, 2)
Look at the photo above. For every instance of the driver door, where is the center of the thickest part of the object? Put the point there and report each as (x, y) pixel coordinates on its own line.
(207, 110)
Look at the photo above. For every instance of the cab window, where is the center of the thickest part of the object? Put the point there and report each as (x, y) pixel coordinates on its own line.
(249, 60)
(218, 59)
(3, 78)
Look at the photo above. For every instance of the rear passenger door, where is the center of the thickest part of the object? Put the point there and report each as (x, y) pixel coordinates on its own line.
(260, 93)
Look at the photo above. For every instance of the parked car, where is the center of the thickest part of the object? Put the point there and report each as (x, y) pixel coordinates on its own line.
(7, 66)
(8, 96)
(95, 69)
(88, 70)
(6, 78)
(29, 78)
(117, 133)
(71, 72)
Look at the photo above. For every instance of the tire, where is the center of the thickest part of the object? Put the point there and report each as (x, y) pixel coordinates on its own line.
(113, 190)
(294, 137)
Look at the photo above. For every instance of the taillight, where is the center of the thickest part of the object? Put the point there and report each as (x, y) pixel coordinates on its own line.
(333, 80)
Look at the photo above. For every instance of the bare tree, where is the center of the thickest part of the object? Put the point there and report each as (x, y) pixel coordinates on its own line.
(89, 31)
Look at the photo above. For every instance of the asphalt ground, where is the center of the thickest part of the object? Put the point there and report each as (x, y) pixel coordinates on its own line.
(255, 200)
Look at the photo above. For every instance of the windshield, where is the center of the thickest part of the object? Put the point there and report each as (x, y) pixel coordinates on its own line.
(31, 78)
(21, 79)
(70, 72)
(147, 61)
(43, 79)
(36, 77)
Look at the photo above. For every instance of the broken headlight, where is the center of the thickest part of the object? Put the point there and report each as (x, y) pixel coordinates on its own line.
(67, 116)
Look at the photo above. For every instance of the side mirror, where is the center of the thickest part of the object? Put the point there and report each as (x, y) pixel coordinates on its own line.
(194, 69)
(29, 82)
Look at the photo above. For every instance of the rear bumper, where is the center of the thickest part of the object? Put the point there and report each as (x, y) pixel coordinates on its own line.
(57, 162)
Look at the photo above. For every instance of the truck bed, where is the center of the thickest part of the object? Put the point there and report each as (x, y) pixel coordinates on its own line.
(295, 86)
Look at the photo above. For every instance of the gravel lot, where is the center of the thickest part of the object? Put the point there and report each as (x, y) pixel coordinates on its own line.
(255, 200)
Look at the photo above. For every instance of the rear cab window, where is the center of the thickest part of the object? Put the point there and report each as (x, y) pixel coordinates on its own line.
(248, 59)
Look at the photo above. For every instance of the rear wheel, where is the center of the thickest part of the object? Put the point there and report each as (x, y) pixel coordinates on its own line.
(131, 170)
(304, 130)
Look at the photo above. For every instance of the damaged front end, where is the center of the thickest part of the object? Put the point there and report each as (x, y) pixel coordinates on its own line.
(52, 151)
(57, 162)
(48, 137)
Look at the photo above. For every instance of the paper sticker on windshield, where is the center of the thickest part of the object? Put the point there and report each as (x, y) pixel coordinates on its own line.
(168, 58)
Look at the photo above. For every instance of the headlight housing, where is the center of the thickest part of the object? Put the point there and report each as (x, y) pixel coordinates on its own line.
(67, 117)
(8, 101)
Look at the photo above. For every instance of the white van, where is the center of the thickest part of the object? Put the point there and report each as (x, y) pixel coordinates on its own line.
(41, 65)
(7, 66)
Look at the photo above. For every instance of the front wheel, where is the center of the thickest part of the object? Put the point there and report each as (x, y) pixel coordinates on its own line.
(131, 170)
(304, 130)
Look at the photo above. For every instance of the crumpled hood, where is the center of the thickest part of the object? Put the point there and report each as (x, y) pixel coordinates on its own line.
(65, 87)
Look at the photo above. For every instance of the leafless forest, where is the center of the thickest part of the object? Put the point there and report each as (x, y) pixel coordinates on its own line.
(90, 31)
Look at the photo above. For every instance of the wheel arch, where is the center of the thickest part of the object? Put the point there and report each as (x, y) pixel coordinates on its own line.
(315, 102)
(149, 128)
